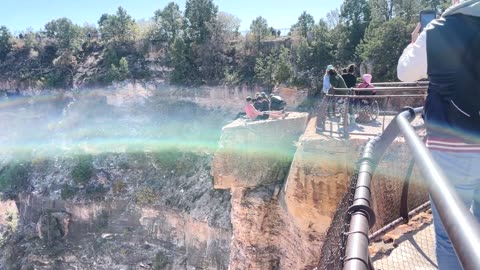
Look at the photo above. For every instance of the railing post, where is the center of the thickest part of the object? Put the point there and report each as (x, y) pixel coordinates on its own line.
(345, 118)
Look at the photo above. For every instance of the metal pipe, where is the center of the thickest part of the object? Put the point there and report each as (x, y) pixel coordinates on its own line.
(402, 83)
(397, 88)
(363, 217)
(345, 118)
(375, 96)
(384, 115)
(357, 255)
(462, 228)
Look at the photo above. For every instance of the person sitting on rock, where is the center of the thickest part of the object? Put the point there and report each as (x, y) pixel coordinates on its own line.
(266, 98)
(257, 102)
(277, 103)
(263, 106)
(254, 114)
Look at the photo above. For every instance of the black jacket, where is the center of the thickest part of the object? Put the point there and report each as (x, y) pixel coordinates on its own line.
(453, 51)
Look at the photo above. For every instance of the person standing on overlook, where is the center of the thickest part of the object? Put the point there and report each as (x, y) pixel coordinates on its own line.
(448, 53)
(349, 78)
(331, 80)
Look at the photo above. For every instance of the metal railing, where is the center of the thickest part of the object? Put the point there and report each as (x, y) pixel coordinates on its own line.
(385, 91)
(460, 225)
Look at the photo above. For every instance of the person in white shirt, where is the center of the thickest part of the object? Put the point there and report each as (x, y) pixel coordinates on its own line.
(447, 53)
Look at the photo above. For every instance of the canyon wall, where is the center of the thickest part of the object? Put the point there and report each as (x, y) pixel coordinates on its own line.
(134, 211)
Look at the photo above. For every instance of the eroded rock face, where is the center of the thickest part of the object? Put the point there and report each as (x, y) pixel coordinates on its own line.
(318, 178)
(182, 223)
(264, 236)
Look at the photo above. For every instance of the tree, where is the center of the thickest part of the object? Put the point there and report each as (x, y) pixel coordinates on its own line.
(226, 26)
(264, 69)
(168, 23)
(199, 15)
(303, 62)
(385, 10)
(323, 47)
(5, 42)
(29, 38)
(212, 54)
(259, 28)
(118, 27)
(89, 28)
(333, 18)
(113, 73)
(355, 17)
(438, 5)
(65, 63)
(123, 68)
(304, 25)
(382, 10)
(383, 45)
(409, 10)
(283, 67)
(67, 34)
(180, 62)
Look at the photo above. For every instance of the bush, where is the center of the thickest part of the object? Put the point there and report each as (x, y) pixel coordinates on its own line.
(54, 79)
(146, 196)
(123, 68)
(160, 262)
(118, 187)
(96, 192)
(83, 170)
(14, 179)
(167, 159)
(67, 192)
(113, 74)
(101, 221)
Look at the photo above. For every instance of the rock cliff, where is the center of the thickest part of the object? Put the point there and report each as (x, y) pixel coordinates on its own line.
(253, 161)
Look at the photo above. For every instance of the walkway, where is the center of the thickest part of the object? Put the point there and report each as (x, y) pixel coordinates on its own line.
(362, 129)
(409, 246)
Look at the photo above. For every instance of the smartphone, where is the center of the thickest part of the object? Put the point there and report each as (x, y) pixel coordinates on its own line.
(426, 16)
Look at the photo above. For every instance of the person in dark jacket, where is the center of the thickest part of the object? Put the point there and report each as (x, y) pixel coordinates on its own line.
(257, 102)
(336, 81)
(447, 52)
(348, 77)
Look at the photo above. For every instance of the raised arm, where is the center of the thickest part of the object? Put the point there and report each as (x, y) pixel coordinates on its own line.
(412, 65)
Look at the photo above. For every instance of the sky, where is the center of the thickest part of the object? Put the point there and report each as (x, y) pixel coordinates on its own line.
(22, 14)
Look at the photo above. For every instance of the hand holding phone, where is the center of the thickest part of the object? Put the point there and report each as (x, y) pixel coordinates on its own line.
(426, 16)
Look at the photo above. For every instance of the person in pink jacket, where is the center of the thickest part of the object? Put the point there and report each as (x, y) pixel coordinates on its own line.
(254, 114)
(366, 83)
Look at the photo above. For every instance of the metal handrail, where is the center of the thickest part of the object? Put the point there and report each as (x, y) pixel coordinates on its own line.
(402, 83)
(460, 225)
(397, 88)
(374, 96)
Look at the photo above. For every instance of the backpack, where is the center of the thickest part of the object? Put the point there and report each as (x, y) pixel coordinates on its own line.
(277, 103)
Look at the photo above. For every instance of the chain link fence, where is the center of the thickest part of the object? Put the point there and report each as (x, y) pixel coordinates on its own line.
(407, 246)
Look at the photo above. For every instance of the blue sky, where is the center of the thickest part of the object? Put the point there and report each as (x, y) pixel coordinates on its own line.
(21, 14)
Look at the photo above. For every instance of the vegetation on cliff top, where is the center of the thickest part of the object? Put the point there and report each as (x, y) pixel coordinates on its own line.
(201, 44)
